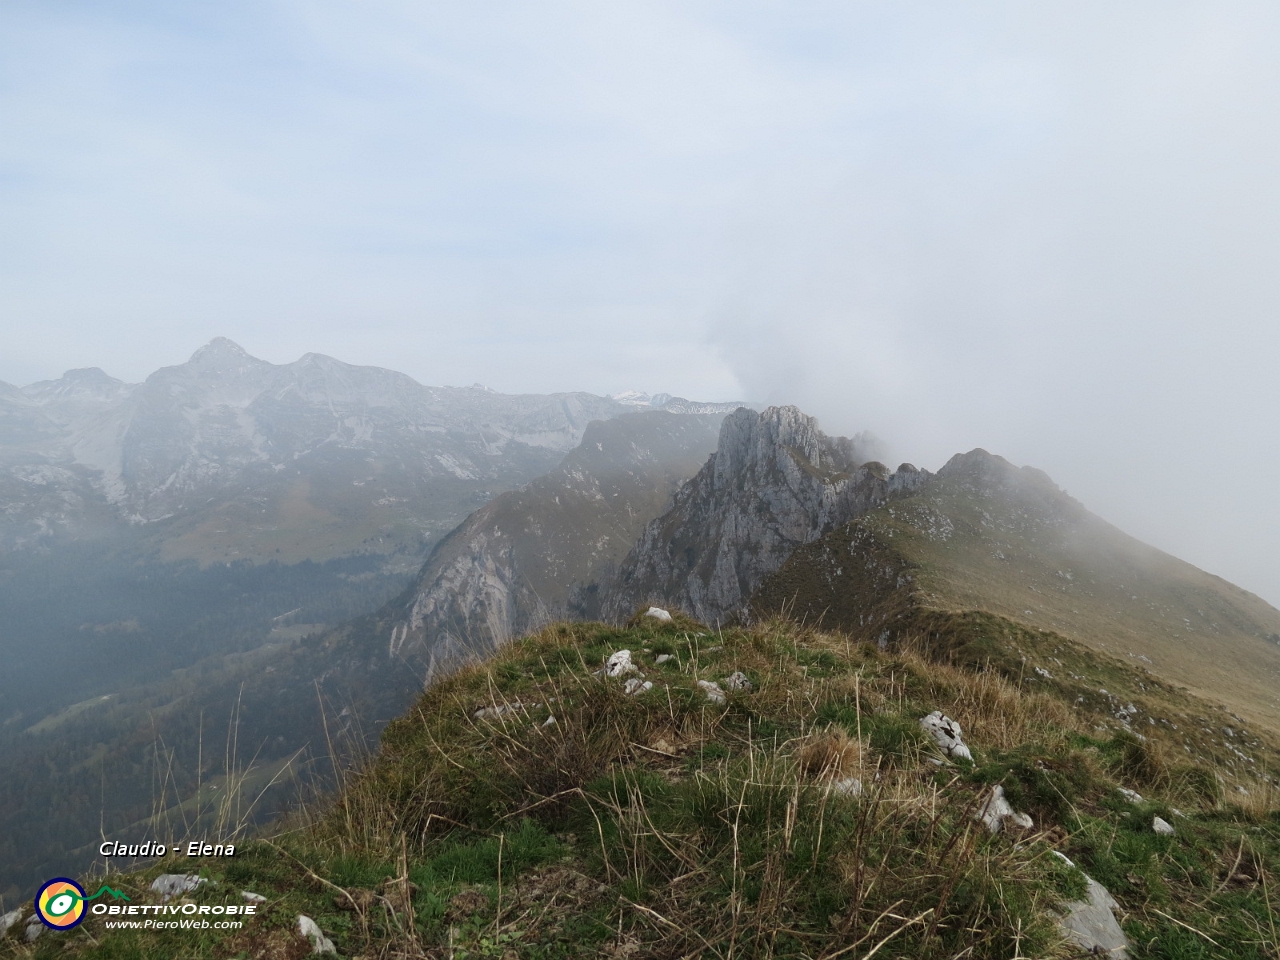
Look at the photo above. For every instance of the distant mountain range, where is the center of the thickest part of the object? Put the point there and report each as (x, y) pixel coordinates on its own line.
(229, 457)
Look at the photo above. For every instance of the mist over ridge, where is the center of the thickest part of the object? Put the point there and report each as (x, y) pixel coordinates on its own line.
(1046, 231)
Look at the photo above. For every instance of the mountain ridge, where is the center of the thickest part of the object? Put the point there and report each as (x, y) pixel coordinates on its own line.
(517, 562)
(985, 535)
(775, 481)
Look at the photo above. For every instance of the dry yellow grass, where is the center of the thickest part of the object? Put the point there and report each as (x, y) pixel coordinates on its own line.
(830, 754)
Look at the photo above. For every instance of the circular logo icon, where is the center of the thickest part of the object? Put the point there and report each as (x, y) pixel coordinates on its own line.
(60, 903)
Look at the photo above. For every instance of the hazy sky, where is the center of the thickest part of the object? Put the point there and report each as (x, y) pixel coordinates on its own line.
(1052, 230)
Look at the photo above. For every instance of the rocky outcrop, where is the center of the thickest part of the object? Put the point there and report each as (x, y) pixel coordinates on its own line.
(1091, 923)
(536, 554)
(946, 733)
(10, 919)
(776, 482)
(311, 931)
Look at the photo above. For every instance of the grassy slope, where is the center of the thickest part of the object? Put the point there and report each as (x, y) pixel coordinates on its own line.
(986, 536)
(666, 826)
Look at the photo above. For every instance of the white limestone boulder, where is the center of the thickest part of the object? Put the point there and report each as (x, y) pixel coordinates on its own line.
(998, 814)
(738, 682)
(946, 734)
(619, 664)
(311, 930)
(1091, 923)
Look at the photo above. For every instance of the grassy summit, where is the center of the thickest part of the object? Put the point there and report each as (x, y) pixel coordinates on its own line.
(665, 824)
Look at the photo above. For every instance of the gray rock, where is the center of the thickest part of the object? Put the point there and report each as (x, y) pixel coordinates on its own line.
(1131, 795)
(619, 663)
(10, 919)
(776, 482)
(738, 682)
(712, 690)
(1162, 827)
(848, 786)
(663, 658)
(319, 942)
(1091, 923)
(250, 897)
(662, 616)
(170, 885)
(636, 685)
(34, 928)
(495, 711)
(999, 815)
(946, 734)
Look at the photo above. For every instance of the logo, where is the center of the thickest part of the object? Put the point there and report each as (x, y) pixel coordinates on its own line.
(60, 902)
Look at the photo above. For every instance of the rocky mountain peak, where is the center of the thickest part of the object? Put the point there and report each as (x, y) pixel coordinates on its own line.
(776, 481)
(84, 383)
(778, 442)
(538, 552)
(220, 348)
(219, 360)
(90, 375)
(989, 474)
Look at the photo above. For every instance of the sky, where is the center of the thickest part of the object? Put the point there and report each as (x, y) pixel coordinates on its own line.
(1051, 230)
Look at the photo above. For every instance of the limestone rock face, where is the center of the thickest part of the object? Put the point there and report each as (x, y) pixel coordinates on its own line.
(537, 554)
(776, 481)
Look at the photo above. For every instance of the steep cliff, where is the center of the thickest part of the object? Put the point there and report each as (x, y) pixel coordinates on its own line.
(776, 481)
(513, 564)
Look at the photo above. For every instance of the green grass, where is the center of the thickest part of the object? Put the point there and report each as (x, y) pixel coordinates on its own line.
(663, 825)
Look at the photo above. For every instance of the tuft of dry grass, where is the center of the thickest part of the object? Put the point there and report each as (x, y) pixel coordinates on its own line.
(831, 754)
